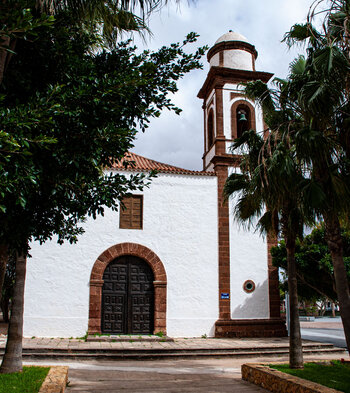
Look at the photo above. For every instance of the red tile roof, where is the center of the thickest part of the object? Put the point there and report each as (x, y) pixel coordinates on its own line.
(138, 163)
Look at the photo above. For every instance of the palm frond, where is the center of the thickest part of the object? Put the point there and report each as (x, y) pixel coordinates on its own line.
(236, 182)
(297, 66)
(301, 34)
(330, 59)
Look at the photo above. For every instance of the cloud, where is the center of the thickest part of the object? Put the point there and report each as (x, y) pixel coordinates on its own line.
(178, 140)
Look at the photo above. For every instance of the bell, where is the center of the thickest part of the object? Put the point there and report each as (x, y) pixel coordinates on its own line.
(242, 117)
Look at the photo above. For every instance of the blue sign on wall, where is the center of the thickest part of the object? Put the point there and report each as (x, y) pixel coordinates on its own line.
(225, 295)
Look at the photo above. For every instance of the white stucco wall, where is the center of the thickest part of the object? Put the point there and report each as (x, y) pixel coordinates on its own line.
(215, 60)
(238, 59)
(179, 225)
(248, 261)
(234, 58)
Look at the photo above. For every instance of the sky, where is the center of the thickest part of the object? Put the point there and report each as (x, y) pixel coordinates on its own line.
(178, 140)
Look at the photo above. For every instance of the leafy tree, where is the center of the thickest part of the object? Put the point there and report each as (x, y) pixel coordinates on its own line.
(72, 113)
(22, 19)
(314, 263)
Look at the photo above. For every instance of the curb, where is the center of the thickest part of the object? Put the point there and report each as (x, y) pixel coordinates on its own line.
(279, 382)
(56, 380)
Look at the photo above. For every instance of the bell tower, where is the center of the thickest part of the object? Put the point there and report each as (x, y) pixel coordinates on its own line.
(227, 114)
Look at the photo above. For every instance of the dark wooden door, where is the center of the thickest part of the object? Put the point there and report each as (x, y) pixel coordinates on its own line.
(128, 297)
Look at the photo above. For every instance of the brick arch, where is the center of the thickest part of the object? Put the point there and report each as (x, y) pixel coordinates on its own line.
(252, 122)
(96, 283)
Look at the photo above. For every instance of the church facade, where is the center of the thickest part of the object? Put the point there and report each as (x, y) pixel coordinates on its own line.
(173, 260)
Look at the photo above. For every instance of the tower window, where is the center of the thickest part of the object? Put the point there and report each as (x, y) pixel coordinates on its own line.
(210, 128)
(243, 120)
(131, 212)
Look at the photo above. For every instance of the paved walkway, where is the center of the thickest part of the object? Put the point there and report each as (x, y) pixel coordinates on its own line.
(178, 343)
(166, 376)
(206, 375)
(159, 377)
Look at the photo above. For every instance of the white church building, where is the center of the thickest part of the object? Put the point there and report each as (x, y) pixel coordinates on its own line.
(174, 260)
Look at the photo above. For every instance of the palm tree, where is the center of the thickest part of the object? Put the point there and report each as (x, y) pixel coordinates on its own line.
(322, 95)
(279, 173)
(270, 191)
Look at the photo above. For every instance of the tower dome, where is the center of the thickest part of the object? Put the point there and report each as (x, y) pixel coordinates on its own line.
(233, 50)
(231, 36)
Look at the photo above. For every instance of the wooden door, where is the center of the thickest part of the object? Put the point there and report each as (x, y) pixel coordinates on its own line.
(128, 297)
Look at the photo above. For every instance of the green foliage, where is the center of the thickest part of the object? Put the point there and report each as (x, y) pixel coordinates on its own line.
(335, 374)
(314, 264)
(28, 381)
(19, 20)
(67, 114)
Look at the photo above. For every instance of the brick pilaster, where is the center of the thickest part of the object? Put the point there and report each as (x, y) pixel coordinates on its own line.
(224, 245)
(219, 112)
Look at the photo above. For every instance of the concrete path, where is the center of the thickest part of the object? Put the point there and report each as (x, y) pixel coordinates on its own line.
(201, 376)
(209, 375)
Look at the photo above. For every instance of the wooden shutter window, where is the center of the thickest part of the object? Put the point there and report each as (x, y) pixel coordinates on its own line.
(131, 213)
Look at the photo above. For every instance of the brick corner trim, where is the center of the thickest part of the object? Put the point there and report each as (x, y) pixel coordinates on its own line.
(96, 283)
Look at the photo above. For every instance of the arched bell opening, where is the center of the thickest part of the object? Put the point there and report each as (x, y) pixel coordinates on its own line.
(242, 118)
(210, 128)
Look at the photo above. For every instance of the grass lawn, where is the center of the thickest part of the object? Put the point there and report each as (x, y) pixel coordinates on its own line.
(335, 374)
(28, 381)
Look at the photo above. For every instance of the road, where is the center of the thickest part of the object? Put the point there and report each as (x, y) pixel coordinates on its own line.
(327, 330)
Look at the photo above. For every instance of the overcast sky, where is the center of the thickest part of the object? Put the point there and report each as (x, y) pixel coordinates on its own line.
(178, 140)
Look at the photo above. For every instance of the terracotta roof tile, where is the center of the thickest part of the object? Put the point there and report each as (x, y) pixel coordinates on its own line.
(138, 163)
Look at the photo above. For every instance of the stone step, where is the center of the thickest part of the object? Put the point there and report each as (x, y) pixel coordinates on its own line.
(128, 338)
(91, 349)
(88, 353)
(306, 346)
(150, 355)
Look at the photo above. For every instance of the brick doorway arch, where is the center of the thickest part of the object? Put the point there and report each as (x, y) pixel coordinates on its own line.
(96, 284)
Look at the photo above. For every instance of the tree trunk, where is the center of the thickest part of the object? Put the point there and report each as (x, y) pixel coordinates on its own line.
(333, 309)
(335, 246)
(295, 344)
(12, 361)
(4, 304)
(3, 56)
(3, 263)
